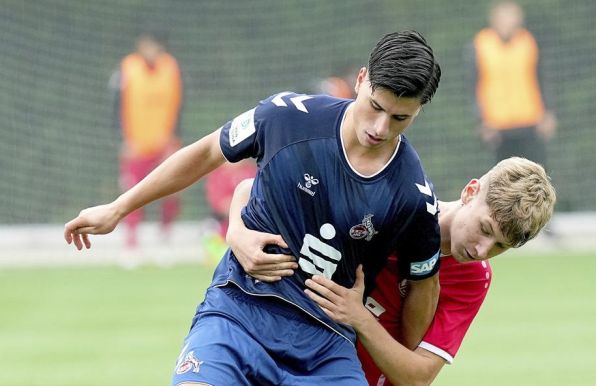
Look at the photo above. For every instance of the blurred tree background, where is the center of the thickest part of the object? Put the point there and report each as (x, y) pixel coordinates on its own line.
(58, 147)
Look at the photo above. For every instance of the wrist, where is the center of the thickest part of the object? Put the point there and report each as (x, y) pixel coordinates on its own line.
(363, 320)
(119, 208)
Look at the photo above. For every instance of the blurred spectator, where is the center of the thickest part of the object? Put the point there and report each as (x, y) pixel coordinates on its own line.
(148, 88)
(340, 86)
(219, 190)
(513, 117)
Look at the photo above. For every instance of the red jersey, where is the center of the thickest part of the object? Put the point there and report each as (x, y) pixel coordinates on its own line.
(463, 289)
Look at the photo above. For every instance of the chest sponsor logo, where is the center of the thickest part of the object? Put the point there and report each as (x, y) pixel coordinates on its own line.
(310, 181)
(365, 230)
(317, 256)
(424, 267)
(243, 126)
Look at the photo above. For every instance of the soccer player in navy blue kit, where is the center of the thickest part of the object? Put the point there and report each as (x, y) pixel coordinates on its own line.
(337, 180)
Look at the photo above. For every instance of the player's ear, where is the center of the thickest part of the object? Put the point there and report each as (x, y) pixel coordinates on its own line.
(471, 190)
(360, 78)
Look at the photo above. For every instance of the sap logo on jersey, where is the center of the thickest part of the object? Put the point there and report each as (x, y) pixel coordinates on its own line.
(424, 267)
(243, 126)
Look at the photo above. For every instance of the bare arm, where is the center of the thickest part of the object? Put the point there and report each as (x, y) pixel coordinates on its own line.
(418, 310)
(180, 170)
(400, 365)
(248, 244)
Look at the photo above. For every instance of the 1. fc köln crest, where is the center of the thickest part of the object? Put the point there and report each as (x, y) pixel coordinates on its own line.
(365, 230)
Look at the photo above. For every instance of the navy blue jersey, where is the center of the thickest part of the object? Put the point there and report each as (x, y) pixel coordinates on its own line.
(331, 217)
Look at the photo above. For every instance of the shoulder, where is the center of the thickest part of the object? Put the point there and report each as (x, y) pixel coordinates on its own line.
(169, 61)
(299, 111)
(301, 105)
(465, 281)
(485, 33)
(131, 59)
(412, 173)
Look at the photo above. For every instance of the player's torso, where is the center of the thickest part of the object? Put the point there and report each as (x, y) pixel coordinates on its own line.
(332, 218)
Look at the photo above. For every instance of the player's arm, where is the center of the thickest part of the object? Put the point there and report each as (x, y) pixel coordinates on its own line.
(180, 170)
(399, 364)
(248, 245)
(418, 310)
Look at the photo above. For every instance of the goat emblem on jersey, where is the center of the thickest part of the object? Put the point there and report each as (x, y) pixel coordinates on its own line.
(189, 363)
(365, 230)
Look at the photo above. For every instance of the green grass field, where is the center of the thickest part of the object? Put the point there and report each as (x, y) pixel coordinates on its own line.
(107, 326)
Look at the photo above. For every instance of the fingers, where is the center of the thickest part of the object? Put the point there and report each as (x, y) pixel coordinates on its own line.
(359, 284)
(279, 241)
(324, 287)
(86, 240)
(266, 278)
(75, 232)
(290, 265)
(324, 303)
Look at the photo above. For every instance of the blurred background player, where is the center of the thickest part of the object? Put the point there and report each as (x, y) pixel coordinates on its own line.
(148, 103)
(219, 190)
(509, 99)
(339, 86)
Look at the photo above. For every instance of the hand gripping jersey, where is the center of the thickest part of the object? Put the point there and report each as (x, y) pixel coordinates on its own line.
(463, 289)
(331, 217)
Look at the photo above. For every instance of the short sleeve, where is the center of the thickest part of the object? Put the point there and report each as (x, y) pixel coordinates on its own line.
(239, 138)
(463, 289)
(419, 246)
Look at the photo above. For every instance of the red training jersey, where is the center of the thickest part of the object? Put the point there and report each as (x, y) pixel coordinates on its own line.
(463, 289)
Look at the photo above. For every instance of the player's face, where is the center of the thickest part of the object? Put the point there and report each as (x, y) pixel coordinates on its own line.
(475, 235)
(379, 115)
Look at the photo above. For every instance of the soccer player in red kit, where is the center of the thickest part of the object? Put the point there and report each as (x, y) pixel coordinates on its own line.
(505, 208)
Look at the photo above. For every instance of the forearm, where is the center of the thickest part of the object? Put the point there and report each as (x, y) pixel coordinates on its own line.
(239, 200)
(179, 171)
(401, 366)
(418, 310)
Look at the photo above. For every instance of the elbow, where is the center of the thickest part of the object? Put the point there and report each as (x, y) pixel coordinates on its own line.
(415, 379)
(420, 372)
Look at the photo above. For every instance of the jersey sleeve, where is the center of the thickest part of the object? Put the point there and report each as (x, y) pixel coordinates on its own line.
(241, 137)
(257, 133)
(463, 290)
(419, 248)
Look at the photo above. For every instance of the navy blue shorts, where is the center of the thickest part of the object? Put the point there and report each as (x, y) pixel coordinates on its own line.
(239, 339)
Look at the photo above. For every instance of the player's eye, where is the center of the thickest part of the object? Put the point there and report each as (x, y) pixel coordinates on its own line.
(400, 118)
(375, 106)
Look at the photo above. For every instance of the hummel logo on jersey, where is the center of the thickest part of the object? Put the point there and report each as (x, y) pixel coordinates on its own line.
(310, 181)
(297, 101)
(365, 230)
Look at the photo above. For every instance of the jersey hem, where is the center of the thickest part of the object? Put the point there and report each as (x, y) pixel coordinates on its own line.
(288, 302)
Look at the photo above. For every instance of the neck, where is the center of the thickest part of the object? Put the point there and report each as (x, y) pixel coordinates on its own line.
(447, 211)
(365, 160)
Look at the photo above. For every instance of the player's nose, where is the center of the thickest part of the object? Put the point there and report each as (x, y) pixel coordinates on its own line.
(483, 248)
(382, 125)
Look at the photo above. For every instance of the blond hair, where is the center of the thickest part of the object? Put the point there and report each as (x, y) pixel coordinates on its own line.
(520, 197)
